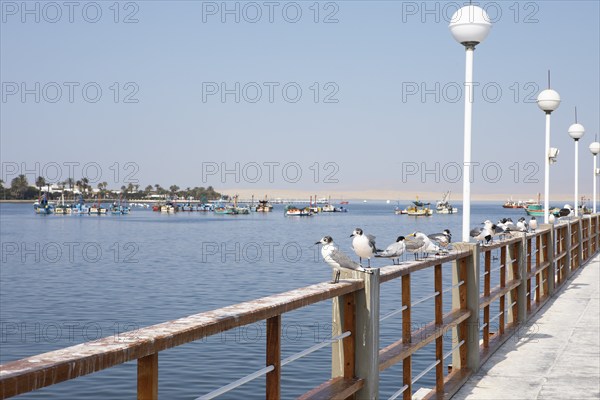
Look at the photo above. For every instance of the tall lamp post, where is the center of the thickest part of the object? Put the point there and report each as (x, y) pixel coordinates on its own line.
(595, 149)
(548, 100)
(576, 132)
(469, 26)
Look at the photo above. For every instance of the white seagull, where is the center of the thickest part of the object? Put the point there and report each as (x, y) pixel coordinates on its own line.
(522, 226)
(336, 259)
(363, 245)
(533, 224)
(394, 250)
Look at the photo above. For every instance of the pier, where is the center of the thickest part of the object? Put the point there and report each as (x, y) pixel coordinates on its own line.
(497, 292)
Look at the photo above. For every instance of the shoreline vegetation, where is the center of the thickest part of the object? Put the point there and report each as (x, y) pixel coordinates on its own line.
(21, 191)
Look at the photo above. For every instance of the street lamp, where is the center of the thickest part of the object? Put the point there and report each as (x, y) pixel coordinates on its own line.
(548, 100)
(595, 149)
(576, 132)
(469, 26)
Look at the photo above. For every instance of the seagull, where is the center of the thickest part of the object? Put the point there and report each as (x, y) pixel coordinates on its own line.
(551, 218)
(363, 245)
(522, 226)
(481, 233)
(414, 244)
(442, 239)
(336, 259)
(394, 250)
(494, 229)
(533, 224)
(566, 211)
(506, 224)
(428, 246)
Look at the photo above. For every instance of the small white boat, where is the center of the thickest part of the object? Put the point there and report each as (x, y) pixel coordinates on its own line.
(444, 207)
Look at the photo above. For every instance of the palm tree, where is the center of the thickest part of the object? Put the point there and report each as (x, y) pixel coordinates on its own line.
(40, 182)
(19, 185)
(174, 189)
(148, 190)
(85, 182)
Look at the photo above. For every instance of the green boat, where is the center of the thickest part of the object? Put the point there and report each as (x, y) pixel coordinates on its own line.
(537, 210)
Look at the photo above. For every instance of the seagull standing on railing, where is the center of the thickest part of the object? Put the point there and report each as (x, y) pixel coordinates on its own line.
(522, 225)
(442, 239)
(481, 233)
(363, 245)
(336, 259)
(426, 246)
(414, 244)
(533, 224)
(394, 250)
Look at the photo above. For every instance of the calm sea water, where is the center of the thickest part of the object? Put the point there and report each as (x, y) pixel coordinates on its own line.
(65, 280)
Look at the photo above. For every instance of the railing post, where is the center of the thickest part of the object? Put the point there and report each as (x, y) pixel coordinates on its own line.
(273, 389)
(147, 385)
(467, 296)
(518, 252)
(548, 255)
(366, 340)
(365, 334)
(569, 263)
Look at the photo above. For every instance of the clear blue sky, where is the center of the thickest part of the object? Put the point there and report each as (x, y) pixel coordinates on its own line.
(371, 61)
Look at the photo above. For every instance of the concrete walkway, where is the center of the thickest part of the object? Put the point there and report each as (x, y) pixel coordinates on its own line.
(555, 356)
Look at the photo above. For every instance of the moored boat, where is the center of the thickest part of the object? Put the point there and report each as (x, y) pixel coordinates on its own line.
(444, 207)
(293, 211)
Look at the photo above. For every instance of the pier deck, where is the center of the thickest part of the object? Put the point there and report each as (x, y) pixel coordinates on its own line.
(557, 353)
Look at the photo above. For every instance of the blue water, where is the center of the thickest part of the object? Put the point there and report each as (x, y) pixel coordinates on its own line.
(69, 279)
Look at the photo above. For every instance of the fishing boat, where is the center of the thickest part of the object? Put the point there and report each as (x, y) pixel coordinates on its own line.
(264, 206)
(42, 206)
(62, 208)
(120, 208)
(510, 203)
(293, 211)
(537, 210)
(168, 208)
(419, 211)
(444, 207)
(328, 208)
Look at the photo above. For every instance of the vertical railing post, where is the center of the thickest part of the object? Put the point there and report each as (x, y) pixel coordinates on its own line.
(581, 251)
(344, 320)
(517, 254)
(406, 336)
(274, 357)
(569, 263)
(359, 355)
(548, 255)
(147, 383)
(366, 340)
(439, 344)
(467, 297)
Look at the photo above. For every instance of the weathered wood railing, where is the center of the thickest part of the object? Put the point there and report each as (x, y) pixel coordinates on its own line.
(531, 268)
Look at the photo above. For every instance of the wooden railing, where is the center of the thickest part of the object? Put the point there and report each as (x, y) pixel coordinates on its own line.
(519, 274)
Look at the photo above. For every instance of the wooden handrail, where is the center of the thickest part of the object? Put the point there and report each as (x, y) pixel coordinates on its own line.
(46, 369)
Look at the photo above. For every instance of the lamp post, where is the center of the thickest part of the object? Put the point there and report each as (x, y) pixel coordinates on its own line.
(595, 149)
(469, 26)
(576, 132)
(548, 100)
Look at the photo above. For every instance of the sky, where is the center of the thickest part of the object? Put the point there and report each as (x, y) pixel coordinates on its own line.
(310, 97)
